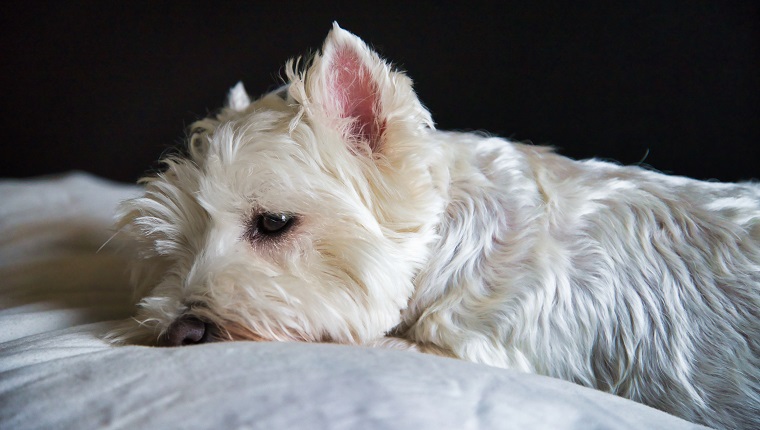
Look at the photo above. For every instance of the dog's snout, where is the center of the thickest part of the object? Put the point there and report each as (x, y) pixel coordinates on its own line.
(187, 330)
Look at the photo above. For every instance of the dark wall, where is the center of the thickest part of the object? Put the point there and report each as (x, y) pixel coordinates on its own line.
(107, 87)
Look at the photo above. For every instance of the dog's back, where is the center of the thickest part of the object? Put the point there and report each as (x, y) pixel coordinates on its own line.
(619, 278)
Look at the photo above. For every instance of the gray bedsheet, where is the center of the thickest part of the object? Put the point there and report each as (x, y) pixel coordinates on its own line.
(58, 294)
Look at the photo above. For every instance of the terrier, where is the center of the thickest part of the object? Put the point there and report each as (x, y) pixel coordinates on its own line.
(332, 210)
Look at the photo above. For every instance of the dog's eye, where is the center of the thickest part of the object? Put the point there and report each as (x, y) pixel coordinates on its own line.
(270, 224)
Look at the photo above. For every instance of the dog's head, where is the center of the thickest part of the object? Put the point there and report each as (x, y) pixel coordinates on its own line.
(303, 215)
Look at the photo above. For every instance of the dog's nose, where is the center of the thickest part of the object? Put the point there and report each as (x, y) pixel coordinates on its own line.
(187, 330)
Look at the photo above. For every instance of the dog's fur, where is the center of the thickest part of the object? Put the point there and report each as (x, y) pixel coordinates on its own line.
(630, 281)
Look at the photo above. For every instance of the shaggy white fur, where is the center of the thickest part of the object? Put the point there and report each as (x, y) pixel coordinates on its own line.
(331, 210)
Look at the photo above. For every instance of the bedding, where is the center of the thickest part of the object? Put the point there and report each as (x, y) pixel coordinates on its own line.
(63, 283)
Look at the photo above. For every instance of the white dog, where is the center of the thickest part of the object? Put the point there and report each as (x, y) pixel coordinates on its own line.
(333, 211)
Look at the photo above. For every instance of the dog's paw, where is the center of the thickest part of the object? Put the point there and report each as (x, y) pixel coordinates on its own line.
(402, 344)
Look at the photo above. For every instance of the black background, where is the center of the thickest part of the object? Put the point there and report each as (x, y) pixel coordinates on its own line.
(107, 87)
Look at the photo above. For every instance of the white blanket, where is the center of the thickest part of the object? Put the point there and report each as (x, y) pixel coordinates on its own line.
(58, 294)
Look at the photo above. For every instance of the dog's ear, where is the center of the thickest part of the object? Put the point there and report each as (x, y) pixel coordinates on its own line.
(237, 98)
(237, 101)
(353, 89)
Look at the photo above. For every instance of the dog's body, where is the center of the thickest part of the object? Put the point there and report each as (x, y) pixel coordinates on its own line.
(331, 210)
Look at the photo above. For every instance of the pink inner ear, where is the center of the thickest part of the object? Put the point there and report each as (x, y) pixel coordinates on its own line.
(357, 96)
